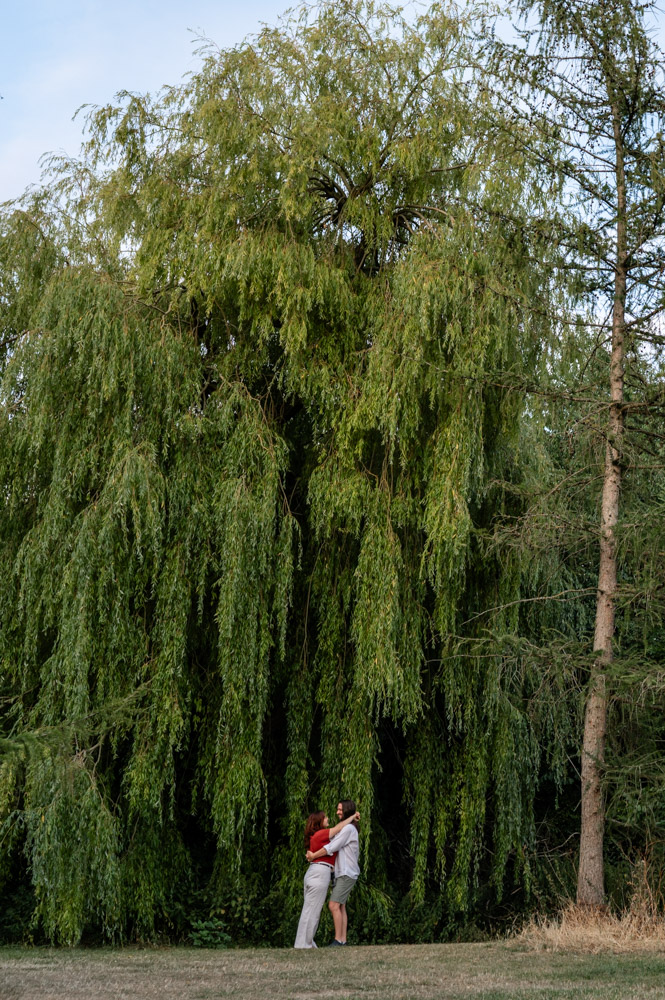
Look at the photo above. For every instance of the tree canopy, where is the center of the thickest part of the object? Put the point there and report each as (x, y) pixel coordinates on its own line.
(266, 432)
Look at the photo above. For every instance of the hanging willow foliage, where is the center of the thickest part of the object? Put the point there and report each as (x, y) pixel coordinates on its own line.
(251, 455)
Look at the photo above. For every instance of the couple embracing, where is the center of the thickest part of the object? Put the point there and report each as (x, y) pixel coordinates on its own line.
(330, 851)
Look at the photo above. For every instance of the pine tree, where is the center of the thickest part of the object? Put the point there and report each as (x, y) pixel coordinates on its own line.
(588, 79)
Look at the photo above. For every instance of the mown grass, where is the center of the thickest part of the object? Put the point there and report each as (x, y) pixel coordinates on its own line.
(494, 971)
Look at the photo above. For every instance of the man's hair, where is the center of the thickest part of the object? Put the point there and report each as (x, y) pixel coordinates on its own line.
(348, 808)
(314, 823)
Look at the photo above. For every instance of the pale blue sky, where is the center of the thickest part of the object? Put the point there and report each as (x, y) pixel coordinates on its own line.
(55, 56)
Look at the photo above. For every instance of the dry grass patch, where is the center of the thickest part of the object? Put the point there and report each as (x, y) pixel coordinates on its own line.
(585, 929)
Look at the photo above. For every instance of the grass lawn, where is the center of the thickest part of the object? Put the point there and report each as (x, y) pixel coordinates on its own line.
(496, 971)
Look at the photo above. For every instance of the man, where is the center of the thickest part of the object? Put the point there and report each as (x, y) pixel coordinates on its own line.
(345, 844)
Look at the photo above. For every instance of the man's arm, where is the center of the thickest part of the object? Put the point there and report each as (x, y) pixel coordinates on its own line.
(341, 840)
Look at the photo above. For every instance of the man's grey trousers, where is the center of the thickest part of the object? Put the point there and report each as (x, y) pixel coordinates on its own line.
(317, 880)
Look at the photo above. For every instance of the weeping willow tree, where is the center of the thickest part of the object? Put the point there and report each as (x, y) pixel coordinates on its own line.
(252, 451)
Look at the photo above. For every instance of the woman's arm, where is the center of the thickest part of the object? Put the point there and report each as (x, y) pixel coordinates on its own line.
(339, 840)
(340, 826)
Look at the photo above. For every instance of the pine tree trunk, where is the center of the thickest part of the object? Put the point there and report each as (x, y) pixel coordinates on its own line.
(590, 880)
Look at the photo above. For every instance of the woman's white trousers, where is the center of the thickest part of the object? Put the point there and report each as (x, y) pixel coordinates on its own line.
(317, 880)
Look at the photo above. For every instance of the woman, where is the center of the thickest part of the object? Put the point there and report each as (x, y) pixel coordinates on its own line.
(318, 874)
(344, 848)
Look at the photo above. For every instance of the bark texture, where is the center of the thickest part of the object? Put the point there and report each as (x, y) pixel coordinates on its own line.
(590, 879)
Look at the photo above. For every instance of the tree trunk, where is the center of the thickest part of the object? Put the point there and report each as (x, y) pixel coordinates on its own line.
(590, 879)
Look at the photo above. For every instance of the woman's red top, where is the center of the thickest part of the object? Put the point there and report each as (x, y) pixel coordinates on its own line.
(320, 838)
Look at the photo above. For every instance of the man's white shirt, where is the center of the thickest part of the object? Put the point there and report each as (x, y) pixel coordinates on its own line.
(346, 845)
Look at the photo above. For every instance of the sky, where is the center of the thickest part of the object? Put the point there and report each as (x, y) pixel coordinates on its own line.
(56, 55)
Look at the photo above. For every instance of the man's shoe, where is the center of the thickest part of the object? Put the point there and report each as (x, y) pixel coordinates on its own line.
(335, 943)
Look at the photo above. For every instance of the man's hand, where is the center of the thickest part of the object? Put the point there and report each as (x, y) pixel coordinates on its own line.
(310, 855)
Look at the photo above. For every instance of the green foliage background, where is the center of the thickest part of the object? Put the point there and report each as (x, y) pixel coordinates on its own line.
(265, 439)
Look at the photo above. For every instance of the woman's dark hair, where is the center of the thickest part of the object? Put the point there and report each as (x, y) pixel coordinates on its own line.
(348, 808)
(314, 823)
